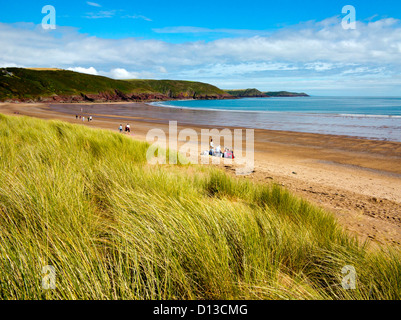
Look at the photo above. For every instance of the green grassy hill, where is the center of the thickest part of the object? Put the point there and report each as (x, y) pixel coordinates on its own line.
(241, 93)
(250, 93)
(285, 94)
(86, 202)
(62, 85)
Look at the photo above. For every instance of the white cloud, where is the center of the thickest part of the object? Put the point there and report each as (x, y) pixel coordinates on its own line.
(306, 50)
(90, 70)
(136, 16)
(319, 66)
(197, 30)
(365, 71)
(370, 43)
(224, 70)
(121, 73)
(93, 4)
(114, 13)
(183, 29)
(5, 64)
(101, 14)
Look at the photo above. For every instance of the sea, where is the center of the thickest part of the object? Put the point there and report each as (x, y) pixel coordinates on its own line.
(377, 118)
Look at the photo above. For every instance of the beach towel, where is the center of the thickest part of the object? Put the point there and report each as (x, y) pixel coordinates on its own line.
(229, 155)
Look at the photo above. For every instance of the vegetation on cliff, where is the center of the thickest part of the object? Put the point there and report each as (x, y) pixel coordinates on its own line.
(253, 93)
(242, 93)
(62, 85)
(285, 94)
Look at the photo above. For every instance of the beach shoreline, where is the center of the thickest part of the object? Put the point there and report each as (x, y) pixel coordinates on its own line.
(359, 180)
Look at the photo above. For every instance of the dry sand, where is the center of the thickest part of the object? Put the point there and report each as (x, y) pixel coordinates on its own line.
(359, 180)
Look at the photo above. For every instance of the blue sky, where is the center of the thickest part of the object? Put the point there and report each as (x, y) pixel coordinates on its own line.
(271, 45)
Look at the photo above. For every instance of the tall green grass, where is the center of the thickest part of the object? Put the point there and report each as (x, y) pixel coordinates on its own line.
(86, 202)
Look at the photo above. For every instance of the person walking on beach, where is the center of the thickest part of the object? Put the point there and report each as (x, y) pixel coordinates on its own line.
(128, 128)
(211, 144)
(120, 128)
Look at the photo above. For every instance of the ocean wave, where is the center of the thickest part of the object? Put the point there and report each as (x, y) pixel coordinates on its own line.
(369, 115)
(295, 113)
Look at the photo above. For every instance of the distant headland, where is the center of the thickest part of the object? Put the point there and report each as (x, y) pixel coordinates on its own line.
(255, 93)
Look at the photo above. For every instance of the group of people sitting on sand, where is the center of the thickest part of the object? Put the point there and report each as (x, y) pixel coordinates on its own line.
(218, 152)
(127, 128)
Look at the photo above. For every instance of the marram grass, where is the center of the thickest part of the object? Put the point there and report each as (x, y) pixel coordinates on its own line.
(86, 202)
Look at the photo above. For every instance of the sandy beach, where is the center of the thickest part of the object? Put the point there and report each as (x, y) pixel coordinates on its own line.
(359, 180)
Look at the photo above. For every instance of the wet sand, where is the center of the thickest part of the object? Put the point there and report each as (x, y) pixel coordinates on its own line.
(359, 180)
